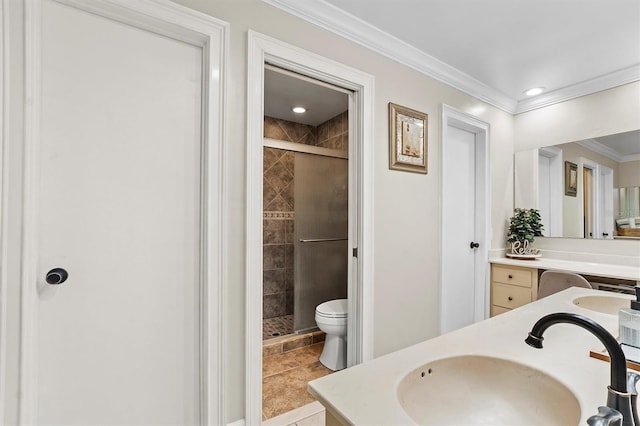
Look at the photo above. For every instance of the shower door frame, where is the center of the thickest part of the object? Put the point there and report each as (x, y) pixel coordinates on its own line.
(264, 49)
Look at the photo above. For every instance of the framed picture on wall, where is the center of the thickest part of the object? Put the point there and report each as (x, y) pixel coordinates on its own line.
(570, 179)
(407, 139)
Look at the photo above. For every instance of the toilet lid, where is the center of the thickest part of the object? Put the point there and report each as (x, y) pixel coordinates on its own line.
(333, 308)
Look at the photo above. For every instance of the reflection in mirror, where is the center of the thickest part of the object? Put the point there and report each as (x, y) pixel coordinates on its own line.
(604, 203)
(627, 211)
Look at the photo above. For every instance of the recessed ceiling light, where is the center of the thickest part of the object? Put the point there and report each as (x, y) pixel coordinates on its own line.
(299, 110)
(534, 91)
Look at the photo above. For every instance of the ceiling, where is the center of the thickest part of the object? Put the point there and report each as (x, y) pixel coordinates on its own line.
(284, 90)
(495, 49)
(620, 147)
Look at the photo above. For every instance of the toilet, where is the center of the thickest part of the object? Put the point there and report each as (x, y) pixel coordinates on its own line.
(331, 318)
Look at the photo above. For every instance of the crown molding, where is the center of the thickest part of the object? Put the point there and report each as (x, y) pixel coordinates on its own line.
(602, 149)
(598, 84)
(337, 21)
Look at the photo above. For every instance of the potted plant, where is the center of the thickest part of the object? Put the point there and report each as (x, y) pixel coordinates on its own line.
(524, 226)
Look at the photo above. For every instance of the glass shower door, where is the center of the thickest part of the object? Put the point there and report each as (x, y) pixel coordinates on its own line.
(321, 227)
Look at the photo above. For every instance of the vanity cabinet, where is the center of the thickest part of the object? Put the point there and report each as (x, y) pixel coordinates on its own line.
(511, 287)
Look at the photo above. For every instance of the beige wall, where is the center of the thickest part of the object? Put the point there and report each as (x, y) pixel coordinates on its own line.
(406, 259)
(628, 174)
(604, 113)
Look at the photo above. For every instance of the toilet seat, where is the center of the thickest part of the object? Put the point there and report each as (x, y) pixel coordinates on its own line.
(333, 309)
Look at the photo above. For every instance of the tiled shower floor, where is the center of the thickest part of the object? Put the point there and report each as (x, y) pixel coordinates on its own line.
(278, 326)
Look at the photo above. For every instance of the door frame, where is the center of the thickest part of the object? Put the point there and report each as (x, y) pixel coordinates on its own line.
(555, 195)
(212, 36)
(586, 163)
(462, 120)
(4, 200)
(261, 49)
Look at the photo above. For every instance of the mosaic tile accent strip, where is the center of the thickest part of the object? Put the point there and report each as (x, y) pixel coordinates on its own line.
(279, 215)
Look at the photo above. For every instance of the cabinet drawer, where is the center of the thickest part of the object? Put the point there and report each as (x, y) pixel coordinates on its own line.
(497, 310)
(522, 277)
(510, 296)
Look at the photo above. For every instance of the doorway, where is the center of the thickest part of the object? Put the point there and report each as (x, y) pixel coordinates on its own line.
(263, 49)
(549, 194)
(121, 252)
(464, 297)
(588, 202)
(597, 200)
(305, 238)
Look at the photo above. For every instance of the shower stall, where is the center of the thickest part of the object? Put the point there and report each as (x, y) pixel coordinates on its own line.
(321, 234)
(305, 200)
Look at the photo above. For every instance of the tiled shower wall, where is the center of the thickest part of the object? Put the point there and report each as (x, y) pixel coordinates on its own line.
(279, 204)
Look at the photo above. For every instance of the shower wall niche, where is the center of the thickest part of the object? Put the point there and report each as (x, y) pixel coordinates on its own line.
(279, 204)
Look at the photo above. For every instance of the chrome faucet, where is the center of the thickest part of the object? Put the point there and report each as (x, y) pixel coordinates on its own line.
(618, 397)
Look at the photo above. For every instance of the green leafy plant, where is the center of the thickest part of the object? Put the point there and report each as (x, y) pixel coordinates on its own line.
(525, 224)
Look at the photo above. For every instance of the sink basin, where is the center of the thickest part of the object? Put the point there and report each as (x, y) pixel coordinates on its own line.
(479, 390)
(604, 304)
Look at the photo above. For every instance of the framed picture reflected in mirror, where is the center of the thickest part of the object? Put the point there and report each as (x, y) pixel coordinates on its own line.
(570, 179)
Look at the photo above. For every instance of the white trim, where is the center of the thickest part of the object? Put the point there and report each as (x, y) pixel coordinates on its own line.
(307, 149)
(598, 84)
(212, 35)
(4, 201)
(298, 415)
(263, 49)
(239, 422)
(335, 20)
(606, 151)
(556, 174)
(462, 120)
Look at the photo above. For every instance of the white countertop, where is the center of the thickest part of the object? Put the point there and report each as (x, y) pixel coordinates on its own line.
(366, 394)
(588, 268)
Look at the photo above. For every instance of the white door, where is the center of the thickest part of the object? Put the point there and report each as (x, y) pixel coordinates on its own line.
(463, 288)
(588, 202)
(118, 208)
(604, 203)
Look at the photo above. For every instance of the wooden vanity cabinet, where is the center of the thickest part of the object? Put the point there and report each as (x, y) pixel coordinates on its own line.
(511, 287)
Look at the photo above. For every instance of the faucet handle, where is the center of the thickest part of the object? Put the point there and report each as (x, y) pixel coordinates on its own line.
(606, 417)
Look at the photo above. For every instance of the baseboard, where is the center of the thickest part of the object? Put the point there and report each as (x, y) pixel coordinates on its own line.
(296, 415)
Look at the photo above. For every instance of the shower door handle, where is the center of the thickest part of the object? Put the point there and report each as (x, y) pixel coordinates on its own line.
(56, 276)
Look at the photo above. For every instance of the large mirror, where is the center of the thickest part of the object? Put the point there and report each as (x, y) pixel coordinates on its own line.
(583, 189)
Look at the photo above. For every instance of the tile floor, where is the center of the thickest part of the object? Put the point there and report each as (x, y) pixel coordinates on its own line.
(285, 377)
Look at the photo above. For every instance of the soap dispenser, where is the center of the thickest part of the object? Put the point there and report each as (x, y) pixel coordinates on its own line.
(630, 322)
